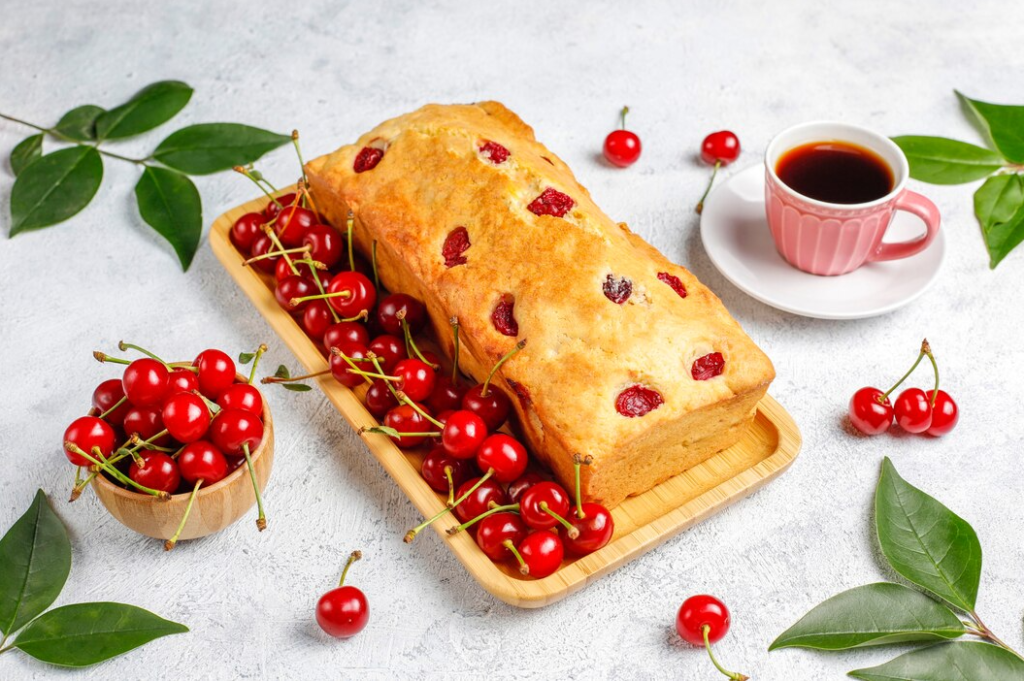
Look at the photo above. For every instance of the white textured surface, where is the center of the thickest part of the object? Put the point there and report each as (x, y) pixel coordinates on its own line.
(333, 70)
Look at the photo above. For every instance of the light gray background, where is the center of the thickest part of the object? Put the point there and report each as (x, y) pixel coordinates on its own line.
(335, 69)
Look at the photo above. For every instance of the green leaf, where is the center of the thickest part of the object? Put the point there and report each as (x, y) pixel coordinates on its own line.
(35, 559)
(151, 106)
(925, 542)
(28, 150)
(54, 188)
(212, 147)
(875, 614)
(956, 661)
(79, 124)
(297, 387)
(170, 204)
(282, 372)
(999, 206)
(944, 161)
(384, 430)
(86, 633)
(1004, 125)
(245, 357)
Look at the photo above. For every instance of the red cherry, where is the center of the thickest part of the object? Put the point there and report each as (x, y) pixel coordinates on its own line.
(390, 350)
(291, 225)
(87, 432)
(503, 317)
(446, 395)
(359, 293)
(480, 499)
(234, 428)
(542, 554)
(317, 319)
(720, 147)
(344, 611)
(433, 470)
(182, 380)
(698, 612)
(345, 331)
(945, 414)
(245, 230)
(367, 159)
(455, 245)
(638, 400)
(551, 202)
(595, 529)
(262, 245)
(325, 244)
(493, 531)
(379, 398)
(106, 395)
(708, 366)
(537, 504)
(391, 305)
(502, 454)
(146, 422)
(342, 370)
(283, 270)
(415, 379)
(216, 372)
(913, 410)
(622, 147)
(160, 472)
(273, 208)
(493, 407)
(242, 396)
(294, 287)
(493, 152)
(405, 419)
(521, 484)
(870, 411)
(202, 460)
(463, 434)
(145, 382)
(186, 417)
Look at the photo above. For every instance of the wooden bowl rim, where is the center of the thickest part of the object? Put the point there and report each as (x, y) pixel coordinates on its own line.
(268, 428)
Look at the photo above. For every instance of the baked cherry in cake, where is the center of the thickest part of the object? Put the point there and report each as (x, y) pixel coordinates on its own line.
(367, 159)
(455, 246)
(638, 400)
(674, 282)
(551, 202)
(503, 317)
(494, 152)
(708, 366)
(617, 290)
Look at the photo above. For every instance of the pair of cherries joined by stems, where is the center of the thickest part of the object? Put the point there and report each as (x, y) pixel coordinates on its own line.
(181, 426)
(933, 412)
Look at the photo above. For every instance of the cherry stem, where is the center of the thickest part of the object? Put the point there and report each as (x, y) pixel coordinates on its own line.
(353, 557)
(307, 196)
(625, 110)
(706, 629)
(523, 567)
(491, 511)
(245, 171)
(451, 486)
(394, 433)
(104, 357)
(272, 235)
(569, 529)
(320, 288)
(137, 443)
(169, 544)
(274, 254)
(403, 398)
(348, 232)
(298, 152)
(322, 296)
(925, 349)
(410, 342)
(454, 321)
(261, 519)
(212, 406)
(935, 368)
(376, 364)
(352, 365)
(124, 398)
(118, 475)
(122, 346)
(373, 256)
(711, 183)
(256, 360)
(267, 380)
(411, 534)
(519, 346)
(577, 462)
(362, 316)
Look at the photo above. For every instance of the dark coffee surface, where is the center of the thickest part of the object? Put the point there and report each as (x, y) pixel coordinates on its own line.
(835, 172)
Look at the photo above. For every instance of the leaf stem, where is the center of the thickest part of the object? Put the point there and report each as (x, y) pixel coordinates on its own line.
(984, 632)
(65, 138)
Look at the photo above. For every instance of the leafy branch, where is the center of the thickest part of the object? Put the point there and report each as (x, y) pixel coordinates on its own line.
(939, 552)
(999, 202)
(35, 561)
(51, 188)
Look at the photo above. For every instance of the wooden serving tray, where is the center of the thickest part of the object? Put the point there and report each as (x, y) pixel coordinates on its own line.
(641, 523)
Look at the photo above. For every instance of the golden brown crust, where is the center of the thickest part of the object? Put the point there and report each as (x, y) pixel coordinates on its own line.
(582, 349)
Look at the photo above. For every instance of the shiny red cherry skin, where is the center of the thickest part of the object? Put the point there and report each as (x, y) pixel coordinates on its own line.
(343, 612)
(945, 414)
(913, 410)
(292, 223)
(273, 208)
(870, 411)
(182, 380)
(503, 454)
(342, 370)
(345, 331)
(493, 531)
(405, 419)
(325, 244)
(87, 432)
(242, 396)
(698, 612)
(262, 245)
(216, 372)
(145, 382)
(146, 422)
(290, 288)
(415, 379)
(202, 460)
(186, 417)
(316, 319)
(720, 147)
(160, 472)
(433, 470)
(379, 398)
(480, 499)
(359, 293)
(234, 428)
(392, 304)
(595, 529)
(542, 552)
(531, 505)
(463, 434)
(493, 408)
(106, 395)
(390, 350)
(245, 230)
(446, 395)
(622, 148)
(524, 482)
(283, 269)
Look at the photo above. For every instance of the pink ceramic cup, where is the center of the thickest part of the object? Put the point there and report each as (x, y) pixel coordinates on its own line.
(833, 238)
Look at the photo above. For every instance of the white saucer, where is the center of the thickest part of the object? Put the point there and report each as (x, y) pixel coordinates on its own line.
(735, 233)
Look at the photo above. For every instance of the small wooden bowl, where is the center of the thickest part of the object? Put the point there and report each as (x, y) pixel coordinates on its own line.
(215, 507)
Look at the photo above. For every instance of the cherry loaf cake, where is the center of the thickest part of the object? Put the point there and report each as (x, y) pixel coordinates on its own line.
(628, 357)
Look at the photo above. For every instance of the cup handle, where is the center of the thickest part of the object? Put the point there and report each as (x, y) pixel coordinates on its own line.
(922, 207)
